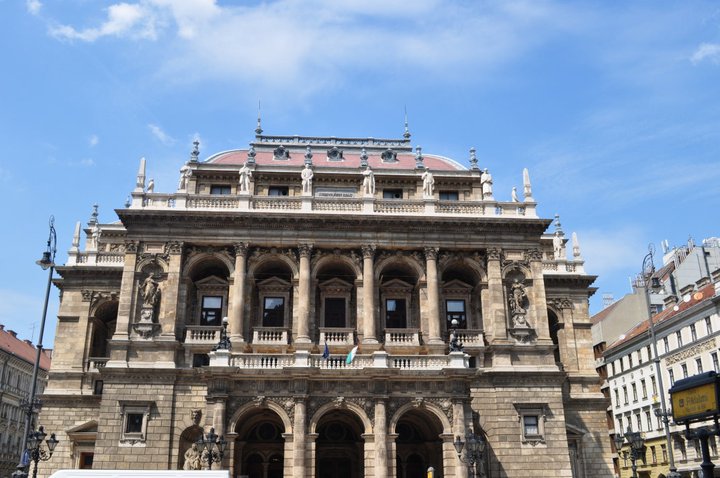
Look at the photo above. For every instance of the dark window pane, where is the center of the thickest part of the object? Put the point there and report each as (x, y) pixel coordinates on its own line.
(392, 194)
(134, 423)
(456, 310)
(334, 312)
(211, 310)
(219, 189)
(274, 312)
(449, 196)
(395, 314)
(278, 191)
(530, 422)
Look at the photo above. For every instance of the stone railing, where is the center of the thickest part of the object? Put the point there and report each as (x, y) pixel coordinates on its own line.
(202, 335)
(270, 336)
(320, 204)
(262, 361)
(402, 337)
(563, 266)
(340, 362)
(419, 362)
(94, 364)
(337, 336)
(470, 338)
(94, 258)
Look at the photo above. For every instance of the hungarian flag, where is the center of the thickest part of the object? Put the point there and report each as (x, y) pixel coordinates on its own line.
(351, 355)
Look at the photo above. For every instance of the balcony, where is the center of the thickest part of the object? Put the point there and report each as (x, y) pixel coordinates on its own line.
(270, 339)
(401, 338)
(337, 337)
(201, 335)
(95, 364)
(471, 339)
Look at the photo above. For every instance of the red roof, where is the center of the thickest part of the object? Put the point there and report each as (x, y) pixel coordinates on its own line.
(24, 350)
(706, 293)
(405, 161)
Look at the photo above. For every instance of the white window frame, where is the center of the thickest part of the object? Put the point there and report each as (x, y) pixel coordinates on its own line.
(537, 410)
(128, 408)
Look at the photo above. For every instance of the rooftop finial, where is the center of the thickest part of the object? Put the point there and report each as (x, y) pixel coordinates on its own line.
(473, 160)
(558, 226)
(93, 216)
(527, 189)
(575, 246)
(406, 134)
(140, 183)
(258, 130)
(419, 157)
(308, 155)
(76, 238)
(363, 158)
(195, 154)
(251, 154)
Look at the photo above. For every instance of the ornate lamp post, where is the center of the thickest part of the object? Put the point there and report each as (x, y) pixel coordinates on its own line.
(648, 269)
(212, 448)
(455, 344)
(473, 453)
(637, 446)
(224, 343)
(36, 452)
(32, 404)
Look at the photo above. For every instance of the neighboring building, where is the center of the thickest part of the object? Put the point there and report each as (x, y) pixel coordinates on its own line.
(308, 241)
(17, 359)
(688, 340)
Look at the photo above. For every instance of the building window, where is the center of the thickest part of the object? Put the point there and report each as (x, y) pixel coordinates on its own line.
(639, 422)
(630, 360)
(654, 385)
(530, 426)
(211, 311)
(449, 196)
(698, 365)
(532, 422)
(219, 189)
(98, 387)
(716, 363)
(625, 393)
(335, 312)
(648, 419)
(634, 392)
(672, 376)
(200, 360)
(663, 449)
(273, 311)
(678, 335)
(455, 309)
(278, 191)
(612, 365)
(666, 344)
(617, 396)
(708, 325)
(684, 370)
(135, 421)
(86, 460)
(649, 353)
(395, 316)
(653, 453)
(643, 386)
(693, 333)
(392, 193)
(622, 365)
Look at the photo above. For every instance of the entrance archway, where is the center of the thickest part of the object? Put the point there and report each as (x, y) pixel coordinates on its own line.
(339, 446)
(418, 445)
(260, 445)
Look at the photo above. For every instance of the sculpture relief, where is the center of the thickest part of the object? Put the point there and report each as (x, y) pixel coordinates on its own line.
(518, 305)
(192, 458)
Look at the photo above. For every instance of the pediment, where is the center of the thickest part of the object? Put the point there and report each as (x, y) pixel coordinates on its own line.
(397, 284)
(211, 281)
(90, 426)
(456, 286)
(335, 284)
(274, 284)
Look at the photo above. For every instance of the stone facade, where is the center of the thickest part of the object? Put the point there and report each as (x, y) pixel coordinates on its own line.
(365, 251)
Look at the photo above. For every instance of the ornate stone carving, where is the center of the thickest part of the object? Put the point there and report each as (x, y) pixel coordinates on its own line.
(339, 402)
(173, 248)
(260, 252)
(86, 295)
(691, 351)
(431, 253)
(533, 255)
(561, 303)
(116, 248)
(196, 416)
(494, 254)
(97, 297)
(131, 247)
(368, 251)
(259, 400)
(241, 249)
(305, 250)
(518, 301)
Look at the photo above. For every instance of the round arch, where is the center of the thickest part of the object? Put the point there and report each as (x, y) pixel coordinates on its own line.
(429, 407)
(263, 260)
(515, 267)
(234, 421)
(402, 260)
(328, 407)
(479, 272)
(195, 261)
(328, 259)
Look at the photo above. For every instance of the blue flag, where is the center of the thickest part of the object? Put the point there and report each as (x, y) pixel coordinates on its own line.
(326, 352)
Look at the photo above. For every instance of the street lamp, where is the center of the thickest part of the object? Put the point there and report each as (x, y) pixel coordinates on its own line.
(455, 344)
(473, 453)
(212, 448)
(32, 404)
(36, 452)
(224, 343)
(648, 270)
(637, 446)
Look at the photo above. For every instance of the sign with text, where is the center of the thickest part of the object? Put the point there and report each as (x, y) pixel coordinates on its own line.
(695, 398)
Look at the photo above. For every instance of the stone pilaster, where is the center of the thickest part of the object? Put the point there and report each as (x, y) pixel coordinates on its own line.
(381, 452)
(494, 320)
(303, 329)
(433, 315)
(237, 307)
(219, 416)
(369, 330)
(299, 435)
(538, 301)
(127, 292)
(169, 314)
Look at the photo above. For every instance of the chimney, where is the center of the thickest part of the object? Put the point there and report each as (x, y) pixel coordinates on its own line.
(670, 300)
(2, 326)
(28, 342)
(12, 332)
(687, 289)
(702, 282)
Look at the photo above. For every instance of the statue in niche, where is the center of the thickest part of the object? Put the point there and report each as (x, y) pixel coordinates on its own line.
(428, 183)
(192, 458)
(150, 290)
(518, 304)
(307, 178)
(368, 182)
(244, 182)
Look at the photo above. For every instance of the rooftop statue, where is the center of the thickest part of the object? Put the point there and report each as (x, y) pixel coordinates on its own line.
(368, 182)
(245, 175)
(307, 177)
(428, 183)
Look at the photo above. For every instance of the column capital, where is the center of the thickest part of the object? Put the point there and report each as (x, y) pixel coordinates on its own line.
(305, 250)
(131, 247)
(174, 247)
(494, 254)
(368, 251)
(241, 249)
(533, 255)
(431, 253)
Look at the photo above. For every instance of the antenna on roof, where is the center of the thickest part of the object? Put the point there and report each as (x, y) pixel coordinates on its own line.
(259, 129)
(406, 134)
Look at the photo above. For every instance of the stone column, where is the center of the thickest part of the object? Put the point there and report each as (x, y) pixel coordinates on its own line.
(219, 416)
(303, 330)
(459, 419)
(369, 330)
(494, 320)
(381, 455)
(170, 290)
(237, 307)
(299, 431)
(433, 315)
(538, 302)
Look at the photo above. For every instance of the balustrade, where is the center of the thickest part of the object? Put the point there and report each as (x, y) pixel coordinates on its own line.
(94, 364)
(270, 336)
(337, 336)
(202, 335)
(402, 337)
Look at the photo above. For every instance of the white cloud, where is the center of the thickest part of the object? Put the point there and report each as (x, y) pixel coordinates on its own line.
(33, 6)
(706, 51)
(161, 135)
(123, 19)
(93, 140)
(609, 251)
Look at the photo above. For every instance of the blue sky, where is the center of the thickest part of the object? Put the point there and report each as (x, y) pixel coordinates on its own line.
(613, 106)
